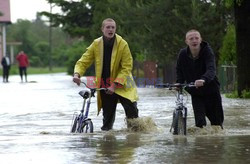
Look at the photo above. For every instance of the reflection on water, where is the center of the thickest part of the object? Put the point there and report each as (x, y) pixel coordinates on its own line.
(117, 150)
(35, 121)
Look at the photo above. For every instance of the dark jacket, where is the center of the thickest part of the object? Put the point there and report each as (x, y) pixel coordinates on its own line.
(5, 63)
(203, 67)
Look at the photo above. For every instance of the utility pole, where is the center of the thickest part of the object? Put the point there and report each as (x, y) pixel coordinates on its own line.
(50, 40)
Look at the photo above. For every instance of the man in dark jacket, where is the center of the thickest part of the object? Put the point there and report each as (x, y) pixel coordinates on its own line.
(196, 63)
(6, 68)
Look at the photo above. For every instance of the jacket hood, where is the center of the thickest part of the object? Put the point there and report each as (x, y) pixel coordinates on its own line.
(204, 45)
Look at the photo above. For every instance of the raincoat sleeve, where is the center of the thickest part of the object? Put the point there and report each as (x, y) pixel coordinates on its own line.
(126, 66)
(85, 61)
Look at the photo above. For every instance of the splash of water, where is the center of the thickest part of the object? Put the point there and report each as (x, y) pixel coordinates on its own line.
(141, 124)
(208, 130)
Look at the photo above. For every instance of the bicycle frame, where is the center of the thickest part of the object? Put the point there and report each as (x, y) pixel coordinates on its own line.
(180, 111)
(84, 116)
(179, 106)
(82, 120)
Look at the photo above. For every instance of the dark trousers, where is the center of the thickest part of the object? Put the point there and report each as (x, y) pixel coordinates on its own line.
(23, 71)
(209, 106)
(109, 103)
(6, 70)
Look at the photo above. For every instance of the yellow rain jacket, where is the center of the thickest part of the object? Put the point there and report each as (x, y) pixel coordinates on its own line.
(120, 71)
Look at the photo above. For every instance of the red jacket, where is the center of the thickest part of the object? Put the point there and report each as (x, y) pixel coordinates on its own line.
(22, 59)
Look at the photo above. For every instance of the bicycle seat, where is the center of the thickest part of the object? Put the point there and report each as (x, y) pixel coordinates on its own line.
(84, 93)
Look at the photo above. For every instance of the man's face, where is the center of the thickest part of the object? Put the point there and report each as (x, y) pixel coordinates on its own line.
(109, 29)
(193, 40)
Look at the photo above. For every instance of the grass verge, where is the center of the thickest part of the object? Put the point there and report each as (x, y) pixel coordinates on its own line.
(36, 70)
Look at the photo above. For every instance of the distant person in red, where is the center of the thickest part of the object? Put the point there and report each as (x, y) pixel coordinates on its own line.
(23, 61)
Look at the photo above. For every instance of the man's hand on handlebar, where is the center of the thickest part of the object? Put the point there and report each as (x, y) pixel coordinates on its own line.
(111, 89)
(76, 79)
(199, 83)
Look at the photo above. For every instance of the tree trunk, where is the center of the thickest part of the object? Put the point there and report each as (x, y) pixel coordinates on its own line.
(242, 24)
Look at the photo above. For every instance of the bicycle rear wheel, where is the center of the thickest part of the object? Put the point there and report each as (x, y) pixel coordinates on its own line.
(180, 123)
(87, 127)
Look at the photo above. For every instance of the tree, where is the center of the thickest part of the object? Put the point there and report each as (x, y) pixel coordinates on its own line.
(76, 17)
(228, 49)
(155, 29)
(34, 38)
(242, 30)
(167, 22)
(242, 24)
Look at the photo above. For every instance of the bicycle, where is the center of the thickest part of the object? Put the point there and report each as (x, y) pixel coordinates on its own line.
(179, 121)
(81, 123)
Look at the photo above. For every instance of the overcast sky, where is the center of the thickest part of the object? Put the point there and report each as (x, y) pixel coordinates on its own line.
(27, 9)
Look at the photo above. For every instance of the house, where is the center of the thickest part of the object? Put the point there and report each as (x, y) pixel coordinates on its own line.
(4, 21)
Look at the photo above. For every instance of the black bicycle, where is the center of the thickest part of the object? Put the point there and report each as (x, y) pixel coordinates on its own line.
(81, 123)
(179, 121)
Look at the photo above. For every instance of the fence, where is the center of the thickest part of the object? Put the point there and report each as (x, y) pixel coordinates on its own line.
(228, 78)
(226, 74)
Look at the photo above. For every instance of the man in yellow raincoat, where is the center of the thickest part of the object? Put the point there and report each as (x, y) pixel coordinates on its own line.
(113, 65)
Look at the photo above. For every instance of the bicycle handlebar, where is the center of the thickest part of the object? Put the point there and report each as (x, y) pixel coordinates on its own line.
(176, 85)
(96, 89)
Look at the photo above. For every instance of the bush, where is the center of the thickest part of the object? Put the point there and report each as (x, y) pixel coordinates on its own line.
(228, 49)
(234, 94)
(245, 94)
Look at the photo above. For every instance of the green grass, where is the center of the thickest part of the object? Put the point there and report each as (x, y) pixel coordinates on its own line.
(36, 70)
(46, 70)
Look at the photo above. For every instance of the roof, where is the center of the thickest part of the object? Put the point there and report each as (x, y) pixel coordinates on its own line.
(5, 11)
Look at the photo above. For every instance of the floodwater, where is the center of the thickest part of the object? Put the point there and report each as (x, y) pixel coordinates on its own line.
(35, 120)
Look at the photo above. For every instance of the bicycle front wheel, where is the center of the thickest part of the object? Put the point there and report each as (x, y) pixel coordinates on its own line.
(87, 127)
(74, 125)
(180, 123)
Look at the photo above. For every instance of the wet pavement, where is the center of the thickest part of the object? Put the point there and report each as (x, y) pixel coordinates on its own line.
(35, 120)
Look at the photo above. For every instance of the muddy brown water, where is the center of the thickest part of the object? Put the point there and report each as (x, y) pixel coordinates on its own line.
(35, 119)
